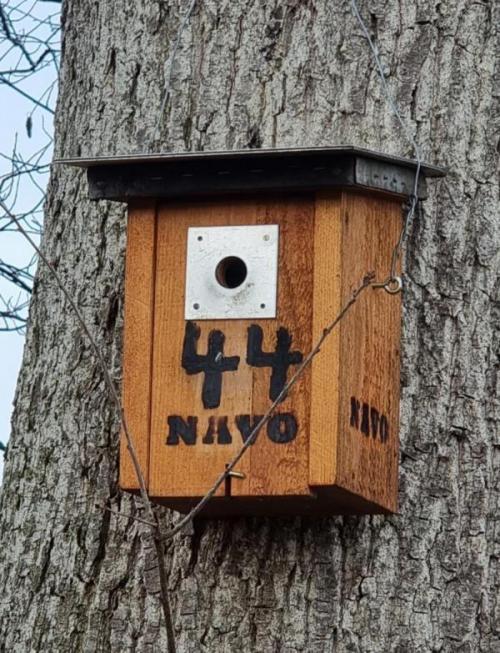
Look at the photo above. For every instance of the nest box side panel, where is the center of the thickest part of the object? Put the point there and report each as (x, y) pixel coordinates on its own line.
(369, 382)
(138, 338)
(199, 420)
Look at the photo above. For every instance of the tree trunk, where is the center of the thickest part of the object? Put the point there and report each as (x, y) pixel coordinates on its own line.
(267, 74)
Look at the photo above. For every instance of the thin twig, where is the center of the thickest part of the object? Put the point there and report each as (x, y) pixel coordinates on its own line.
(154, 529)
(102, 506)
(29, 38)
(367, 281)
(27, 96)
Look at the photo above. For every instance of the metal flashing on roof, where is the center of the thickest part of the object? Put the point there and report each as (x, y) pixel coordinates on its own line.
(194, 174)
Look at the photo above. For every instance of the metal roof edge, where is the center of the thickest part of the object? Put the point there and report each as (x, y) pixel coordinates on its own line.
(229, 155)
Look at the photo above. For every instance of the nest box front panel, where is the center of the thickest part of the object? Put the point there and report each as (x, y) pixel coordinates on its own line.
(213, 378)
(194, 388)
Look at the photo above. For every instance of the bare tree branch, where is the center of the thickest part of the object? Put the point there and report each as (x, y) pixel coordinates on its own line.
(29, 59)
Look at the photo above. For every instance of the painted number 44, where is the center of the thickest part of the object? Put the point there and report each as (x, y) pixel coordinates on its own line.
(214, 363)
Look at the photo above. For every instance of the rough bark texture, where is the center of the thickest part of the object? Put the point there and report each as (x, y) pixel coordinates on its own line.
(250, 74)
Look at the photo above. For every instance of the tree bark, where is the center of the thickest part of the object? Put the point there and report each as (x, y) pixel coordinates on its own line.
(267, 74)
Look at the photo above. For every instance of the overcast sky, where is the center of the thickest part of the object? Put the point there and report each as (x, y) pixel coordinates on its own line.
(14, 110)
(13, 248)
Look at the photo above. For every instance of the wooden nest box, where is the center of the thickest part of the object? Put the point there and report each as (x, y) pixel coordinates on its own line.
(235, 264)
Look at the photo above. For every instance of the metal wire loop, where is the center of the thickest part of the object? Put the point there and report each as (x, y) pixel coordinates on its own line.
(393, 285)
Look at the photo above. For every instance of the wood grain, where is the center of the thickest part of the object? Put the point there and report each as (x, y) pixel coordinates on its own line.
(138, 333)
(189, 470)
(326, 366)
(283, 469)
(185, 470)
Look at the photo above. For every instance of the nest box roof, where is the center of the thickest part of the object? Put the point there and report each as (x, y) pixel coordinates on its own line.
(191, 174)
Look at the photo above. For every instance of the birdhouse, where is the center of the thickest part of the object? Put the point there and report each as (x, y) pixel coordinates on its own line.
(235, 264)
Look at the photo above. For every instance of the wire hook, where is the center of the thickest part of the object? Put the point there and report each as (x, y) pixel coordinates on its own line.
(393, 286)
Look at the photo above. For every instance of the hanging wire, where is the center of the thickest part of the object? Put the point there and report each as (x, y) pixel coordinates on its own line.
(393, 283)
(171, 60)
(115, 395)
(365, 283)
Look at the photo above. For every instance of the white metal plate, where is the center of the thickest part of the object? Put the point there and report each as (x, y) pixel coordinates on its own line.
(257, 247)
